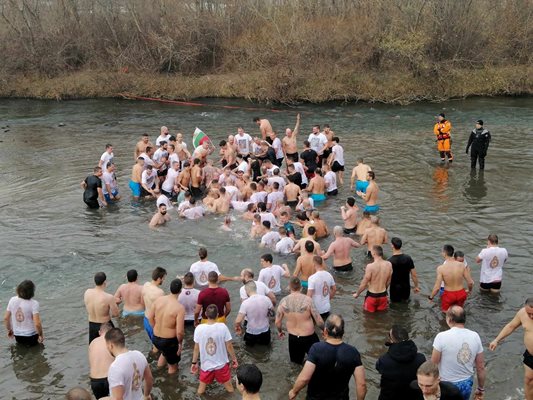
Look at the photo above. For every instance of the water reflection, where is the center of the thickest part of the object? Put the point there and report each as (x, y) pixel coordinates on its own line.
(439, 192)
(476, 189)
(29, 363)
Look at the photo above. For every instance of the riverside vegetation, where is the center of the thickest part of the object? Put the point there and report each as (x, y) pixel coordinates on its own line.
(393, 51)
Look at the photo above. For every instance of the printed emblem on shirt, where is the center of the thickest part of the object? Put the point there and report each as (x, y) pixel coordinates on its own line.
(272, 283)
(464, 355)
(325, 289)
(136, 381)
(203, 277)
(211, 346)
(494, 262)
(19, 315)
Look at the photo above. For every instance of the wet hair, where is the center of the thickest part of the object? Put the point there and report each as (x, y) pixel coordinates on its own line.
(250, 207)
(211, 311)
(334, 326)
(247, 272)
(318, 171)
(266, 224)
(222, 143)
(116, 337)
(96, 170)
(149, 167)
(378, 250)
(428, 369)
(276, 171)
(284, 214)
(316, 126)
(192, 201)
(366, 214)
(295, 284)
(253, 186)
(267, 258)
(318, 260)
(315, 214)
(458, 254)
(372, 175)
(175, 286)
(250, 287)
(158, 273)
(302, 216)
(212, 277)
(399, 333)
(448, 250)
(311, 230)
(493, 238)
(261, 206)
(275, 185)
(309, 246)
(196, 161)
(78, 393)
(162, 143)
(256, 119)
(396, 243)
(148, 149)
(249, 376)
(306, 143)
(337, 230)
(185, 165)
(132, 275)
(162, 205)
(456, 314)
(26, 289)
(222, 190)
(172, 138)
(145, 135)
(188, 278)
(336, 139)
(350, 201)
(282, 231)
(171, 146)
(529, 302)
(202, 253)
(99, 278)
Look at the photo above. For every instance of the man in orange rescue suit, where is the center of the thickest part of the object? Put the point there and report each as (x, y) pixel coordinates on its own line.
(443, 130)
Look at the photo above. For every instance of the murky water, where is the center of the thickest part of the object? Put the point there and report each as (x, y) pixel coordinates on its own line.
(49, 236)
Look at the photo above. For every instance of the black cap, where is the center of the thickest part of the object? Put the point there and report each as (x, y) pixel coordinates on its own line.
(442, 115)
(480, 122)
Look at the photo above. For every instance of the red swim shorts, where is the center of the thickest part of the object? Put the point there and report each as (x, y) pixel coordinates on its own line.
(373, 303)
(455, 298)
(222, 375)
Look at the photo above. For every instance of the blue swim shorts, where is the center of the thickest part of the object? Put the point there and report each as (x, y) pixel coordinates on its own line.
(465, 387)
(360, 186)
(318, 197)
(135, 189)
(372, 209)
(148, 328)
(108, 198)
(139, 313)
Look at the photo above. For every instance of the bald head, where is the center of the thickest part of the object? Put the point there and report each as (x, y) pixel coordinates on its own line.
(164, 130)
(338, 231)
(334, 326)
(78, 393)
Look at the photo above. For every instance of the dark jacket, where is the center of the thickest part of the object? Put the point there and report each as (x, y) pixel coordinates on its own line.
(447, 392)
(479, 140)
(398, 369)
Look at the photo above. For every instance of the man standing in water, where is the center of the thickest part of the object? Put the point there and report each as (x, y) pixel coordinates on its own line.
(141, 146)
(290, 147)
(92, 186)
(101, 306)
(492, 260)
(349, 216)
(524, 318)
(136, 178)
(442, 131)
(160, 217)
(479, 140)
(360, 172)
(340, 249)
(301, 317)
(377, 279)
(265, 128)
(402, 267)
(374, 235)
(150, 292)
(322, 288)
(131, 294)
(371, 195)
(99, 362)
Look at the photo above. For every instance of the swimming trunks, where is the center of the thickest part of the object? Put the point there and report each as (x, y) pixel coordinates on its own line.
(324, 316)
(372, 209)
(292, 203)
(28, 341)
(448, 299)
(138, 313)
(292, 156)
(491, 285)
(262, 338)
(100, 387)
(196, 193)
(108, 197)
(135, 188)
(465, 387)
(299, 346)
(369, 254)
(318, 197)
(360, 186)
(188, 322)
(336, 167)
(219, 319)
(350, 231)
(305, 284)
(92, 204)
(376, 301)
(343, 268)
(148, 328)
(333, 193)
(169, 347)
(222, 375)
(528, 359)
(94, 329)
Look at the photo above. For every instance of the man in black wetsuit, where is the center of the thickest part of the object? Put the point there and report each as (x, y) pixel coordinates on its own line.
(479, 140)
(309, 158)
(92, 186)
(402, 267)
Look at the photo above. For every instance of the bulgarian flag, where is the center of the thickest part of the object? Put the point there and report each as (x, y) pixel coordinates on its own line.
(199, 137)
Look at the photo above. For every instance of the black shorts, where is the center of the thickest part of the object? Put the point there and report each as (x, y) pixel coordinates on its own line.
(324, 316)
(169, 347)
(262, 338)
(398, 293)
(299, 346)
(196, 193)
(162, 173)
(144, 193)
(292, 156)
(94, 330)
(189, 322)
(528, 359)
(350, 231)
(292, 203)
(336, 167)
(269, 140)
(279, 161)
(100, 387)
(491, 285)
(92, 204)
(326, 153)
(333, 193)
(28, 341)
(343, 268)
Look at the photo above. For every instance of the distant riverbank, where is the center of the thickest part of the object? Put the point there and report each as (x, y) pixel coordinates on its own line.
(273, 86)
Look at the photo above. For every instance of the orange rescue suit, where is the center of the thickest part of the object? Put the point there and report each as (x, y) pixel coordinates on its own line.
(443, 132)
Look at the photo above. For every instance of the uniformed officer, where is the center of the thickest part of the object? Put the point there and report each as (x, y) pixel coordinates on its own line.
(479, 140)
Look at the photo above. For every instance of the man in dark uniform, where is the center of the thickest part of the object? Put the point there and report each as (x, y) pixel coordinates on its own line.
(92, 189)
(479, 140)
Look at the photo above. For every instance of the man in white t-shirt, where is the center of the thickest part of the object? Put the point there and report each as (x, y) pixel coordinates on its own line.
(22, 318)
(271, 274)
(193, 210)
(129, 372)
(247, 275)
(212, 343)
(107, 157)
(331, 181)
(321, 288)
(270, 238)
(188, 298)
(164, 136)
(202, 268)
(149, 182)
(318, 142)
(170, 186)
(492, 260)
(337, 160)
(160, 152)
(255, 309)
(109, 184)
(244, 142)
(278, 147)
(457, 352)
(285, 244)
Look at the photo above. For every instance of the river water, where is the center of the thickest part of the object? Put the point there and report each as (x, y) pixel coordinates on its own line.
(49, 236)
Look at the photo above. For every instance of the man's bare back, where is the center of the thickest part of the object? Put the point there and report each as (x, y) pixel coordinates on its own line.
(453, 273)
(99, 358)
(360, 171)
(299, 311)
(168, 317)
(292, 191)
(136, 173)
(150, 293)
(131, 295)
(305, 266)
(317, 185)
(100, 305)
(380, 273)
(374, 236)
(340, 249)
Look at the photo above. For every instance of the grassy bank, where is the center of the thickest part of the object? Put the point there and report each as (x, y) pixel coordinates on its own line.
(270, 86)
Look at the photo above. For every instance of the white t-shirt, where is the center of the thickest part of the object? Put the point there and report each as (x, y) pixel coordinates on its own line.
(271, 276)
(492, 261)
(212, 339)
(128, 371)
(106, 158)
(161, 139)
(243, 143)
(163, 200)
(298, 167)
(321, 282)
(172, 158)
(159, 153)
(109, 179)
(200, 270)
(149, 178)
(22, 312)
(147, 160)
(258, 197)
(244, 167)
(183, 205)
(170, 180)
(262, 289)
(317, 142)
(284, 246)
(267, 216)
(188, 299)
(338, 153)
(255, 309)
(233, 191)
(227, 180)
(279, 179)
(194, 212)
(276, 145)
(331, 181)
(459, 348)
(240, 206)
(270, 239)
(273, 197)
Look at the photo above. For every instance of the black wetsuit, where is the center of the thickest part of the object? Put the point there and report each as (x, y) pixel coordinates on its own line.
(90, 195)
(479, 140)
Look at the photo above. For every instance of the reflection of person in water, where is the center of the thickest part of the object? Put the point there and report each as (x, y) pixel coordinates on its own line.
(439, 192)
(30, 364)
(475, 189)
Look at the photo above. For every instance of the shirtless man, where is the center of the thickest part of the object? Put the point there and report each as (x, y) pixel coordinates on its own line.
(181, 149)
(265, 128)
(349, 216)
(371, 195)
(141, 146)
(167, 317)
(322, 230)
(160, 217)
(228, 154)
(329, 136)
(99, 361)
(305, 265)
(302, 316)
(524, 318)
(377, 280)
(360, 172)
(452, 273)
(183, 181)
(136, 177)
(150, 292)
(289, 144)
(131, 294)
(363, 224)
(317, 187)
(101, 306)
(221, 204)
(374, 235)
(311, 231)
(201, 152)
(340, 249)
(196, 179)
(291, 193)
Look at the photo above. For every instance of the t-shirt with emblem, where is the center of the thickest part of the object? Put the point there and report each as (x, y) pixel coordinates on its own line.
(188, 298)
(22, 312)
(492, 260)
(212, 338)
(321, 282)
(200, 270)
(128, 371)
(271, 276)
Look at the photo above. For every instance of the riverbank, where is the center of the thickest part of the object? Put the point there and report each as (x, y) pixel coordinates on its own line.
(277, 85)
